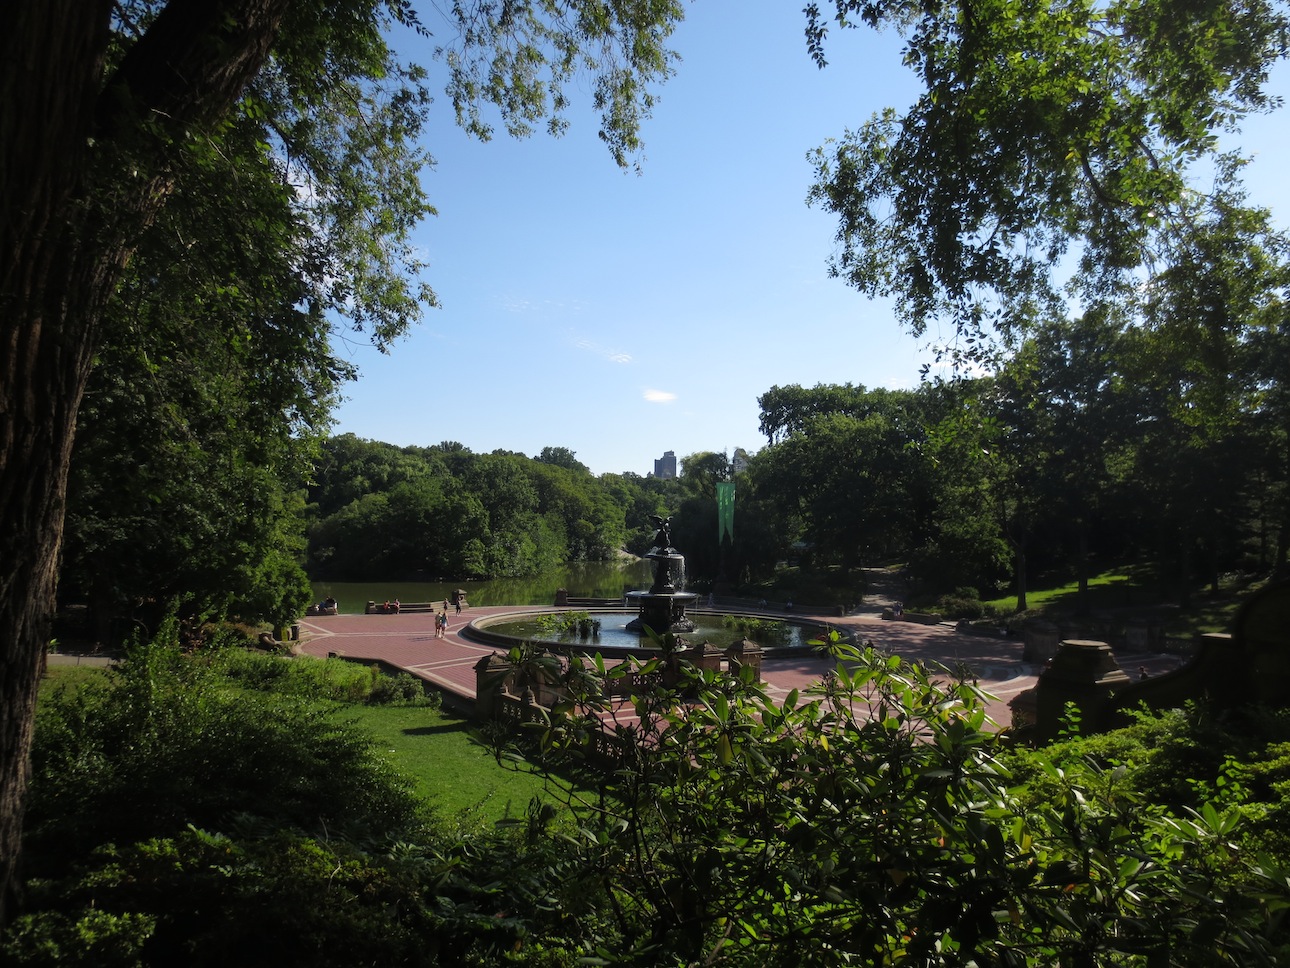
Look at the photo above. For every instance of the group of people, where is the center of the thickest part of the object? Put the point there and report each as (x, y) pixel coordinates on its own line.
(441, 618)
(328, 606)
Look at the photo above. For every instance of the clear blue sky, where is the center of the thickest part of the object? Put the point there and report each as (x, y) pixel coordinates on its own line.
(623, 315)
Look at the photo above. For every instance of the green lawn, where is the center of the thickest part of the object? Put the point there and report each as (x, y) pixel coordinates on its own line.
(435, 751)
(1129, 588)
(1111, 589)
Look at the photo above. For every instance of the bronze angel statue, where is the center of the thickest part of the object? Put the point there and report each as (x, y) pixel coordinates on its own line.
(663, 538)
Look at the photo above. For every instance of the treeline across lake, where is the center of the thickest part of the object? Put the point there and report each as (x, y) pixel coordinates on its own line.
(377, 511)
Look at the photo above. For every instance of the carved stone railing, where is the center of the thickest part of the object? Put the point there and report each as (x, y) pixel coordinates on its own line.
(1249, 666)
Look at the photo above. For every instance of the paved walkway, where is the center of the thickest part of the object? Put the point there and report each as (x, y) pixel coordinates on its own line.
(408, 642)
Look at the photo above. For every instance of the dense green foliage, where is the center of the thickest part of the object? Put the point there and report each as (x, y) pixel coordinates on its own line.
(181, 816)
(379, 511)
(285, 220)
(1082, 448)
(1055, 148)
(1056, 200)
(214, 372)
(1150, 428)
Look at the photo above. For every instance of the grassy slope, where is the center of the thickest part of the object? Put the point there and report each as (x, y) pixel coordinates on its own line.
(431, 749)
(1129, 589)
(435, 751)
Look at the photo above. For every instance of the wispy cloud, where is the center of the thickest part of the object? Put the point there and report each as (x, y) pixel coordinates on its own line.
(612, 355)
(523, 306)
(659, 396)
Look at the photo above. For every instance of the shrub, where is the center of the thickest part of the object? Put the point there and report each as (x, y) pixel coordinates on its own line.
(403, 689)
(883, 808)
(178, 817)
(162, 743)
(765, 631)
(89, 937)
(309, 678)
(961, 606)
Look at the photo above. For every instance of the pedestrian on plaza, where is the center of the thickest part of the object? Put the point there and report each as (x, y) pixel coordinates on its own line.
(457, 602)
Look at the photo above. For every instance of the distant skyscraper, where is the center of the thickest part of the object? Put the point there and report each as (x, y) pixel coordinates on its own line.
(665, 466)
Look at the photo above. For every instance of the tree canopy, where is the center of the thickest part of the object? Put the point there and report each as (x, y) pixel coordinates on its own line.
(1057, 149)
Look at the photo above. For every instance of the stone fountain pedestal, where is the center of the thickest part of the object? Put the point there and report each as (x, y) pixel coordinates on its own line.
(662, 608)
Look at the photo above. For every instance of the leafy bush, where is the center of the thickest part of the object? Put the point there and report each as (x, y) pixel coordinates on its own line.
(875, 820)
(89, 937)
(309, 678)
(965, 603)
(162, 743)
(764, 631)
(403, 689)
(563, 623)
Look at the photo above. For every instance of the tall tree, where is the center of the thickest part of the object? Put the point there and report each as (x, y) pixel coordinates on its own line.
(104, 103)
(562, 457)
(1050, 137)
(213, 377)
(1200, 387)
(842, 457)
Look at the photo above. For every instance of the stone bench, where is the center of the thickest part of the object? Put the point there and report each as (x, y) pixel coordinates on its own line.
(381, 608)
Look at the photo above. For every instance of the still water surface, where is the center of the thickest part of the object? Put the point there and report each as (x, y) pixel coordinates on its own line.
(583, 579)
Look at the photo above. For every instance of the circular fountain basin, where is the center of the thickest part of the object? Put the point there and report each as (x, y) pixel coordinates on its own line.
(616, 639)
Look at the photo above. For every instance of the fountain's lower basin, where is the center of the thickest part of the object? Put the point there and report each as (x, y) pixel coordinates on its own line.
(616, 638)
(661, 612)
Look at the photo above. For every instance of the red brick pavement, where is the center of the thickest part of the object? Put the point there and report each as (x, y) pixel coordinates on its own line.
(407, 641)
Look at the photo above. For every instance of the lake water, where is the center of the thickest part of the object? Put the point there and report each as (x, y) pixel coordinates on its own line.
(582, 579)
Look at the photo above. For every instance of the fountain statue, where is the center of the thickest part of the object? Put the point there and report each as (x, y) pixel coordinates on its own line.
(662, 608)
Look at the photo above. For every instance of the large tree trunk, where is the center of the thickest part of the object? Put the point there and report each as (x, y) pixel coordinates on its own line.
(62, 244)
(1084, 607)
(51, 67)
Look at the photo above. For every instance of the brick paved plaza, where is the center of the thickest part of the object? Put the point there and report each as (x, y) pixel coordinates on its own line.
(408, 642)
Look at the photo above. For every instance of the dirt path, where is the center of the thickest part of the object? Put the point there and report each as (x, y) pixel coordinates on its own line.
(883, 588)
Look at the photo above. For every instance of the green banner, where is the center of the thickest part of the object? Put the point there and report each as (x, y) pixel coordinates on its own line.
(726, 510)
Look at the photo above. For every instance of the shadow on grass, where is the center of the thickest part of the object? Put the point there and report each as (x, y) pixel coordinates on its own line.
(1111, 590)
(1137, 592)
(441, 729)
